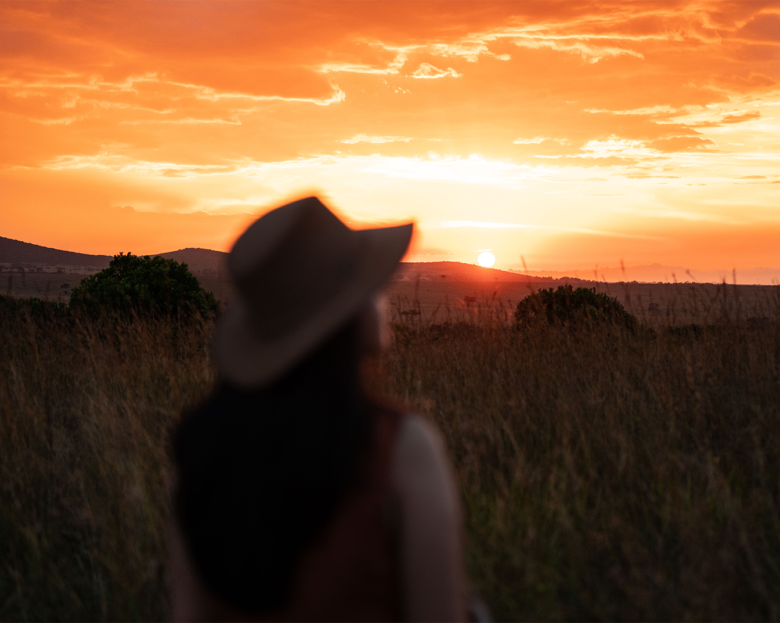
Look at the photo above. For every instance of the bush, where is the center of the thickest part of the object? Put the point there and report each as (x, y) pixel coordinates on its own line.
(35, 308)
(583, 306)
(144, 285)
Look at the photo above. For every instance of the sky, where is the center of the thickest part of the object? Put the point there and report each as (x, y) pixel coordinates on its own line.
(556, 135)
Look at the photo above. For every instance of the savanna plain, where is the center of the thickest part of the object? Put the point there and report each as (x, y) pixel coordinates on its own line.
(605, 471)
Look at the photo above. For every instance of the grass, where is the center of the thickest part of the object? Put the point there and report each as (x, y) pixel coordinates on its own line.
(604, 473)
(84, 416)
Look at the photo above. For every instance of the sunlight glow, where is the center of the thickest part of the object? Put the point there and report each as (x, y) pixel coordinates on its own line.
(486, 259)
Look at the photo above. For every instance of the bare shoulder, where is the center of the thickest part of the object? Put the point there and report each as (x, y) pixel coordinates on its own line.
(420, 465)
(432, 568)
(419, 448)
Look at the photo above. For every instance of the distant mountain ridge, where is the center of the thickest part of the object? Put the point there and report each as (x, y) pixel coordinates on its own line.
(15, 254)
(21, 253)
(652, 273)
(206, 262)
(456, 271)
(200, 261)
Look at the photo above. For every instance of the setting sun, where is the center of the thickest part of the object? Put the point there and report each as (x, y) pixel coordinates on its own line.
(486, 259)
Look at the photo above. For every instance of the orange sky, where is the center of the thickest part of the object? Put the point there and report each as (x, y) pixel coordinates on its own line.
(574, 134)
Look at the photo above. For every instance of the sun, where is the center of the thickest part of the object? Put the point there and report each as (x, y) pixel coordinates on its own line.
(486, 259)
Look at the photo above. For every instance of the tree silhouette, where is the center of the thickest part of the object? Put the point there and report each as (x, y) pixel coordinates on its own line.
(144, 285)
(567, 306)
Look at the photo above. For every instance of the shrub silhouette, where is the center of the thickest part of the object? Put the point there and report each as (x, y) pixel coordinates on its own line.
(567, 306)
(34, 308)
(144, 285)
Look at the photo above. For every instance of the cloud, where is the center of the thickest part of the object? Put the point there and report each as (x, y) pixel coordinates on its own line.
(764, 27)
(468, 49)
(122, 164)
(471, 170)
(591, 52)
(142, 99)
(648, 110)
(363, 138)
(210, 94)
(186, 121)
(529, 141)
(614, 146)
(499, 225)
(739, 118)
(728, 120)
(428, 71)
(681, 143)
(485, 225)
(392, 68)
(747, 82)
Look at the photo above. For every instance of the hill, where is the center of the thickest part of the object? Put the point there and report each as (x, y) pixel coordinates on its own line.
(26, 255)
(655, 273)
(15, 254)
(204, 262)
(457, 271)
(207, 263)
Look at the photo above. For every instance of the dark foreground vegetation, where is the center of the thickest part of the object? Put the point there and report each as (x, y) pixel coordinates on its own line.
(606, 472)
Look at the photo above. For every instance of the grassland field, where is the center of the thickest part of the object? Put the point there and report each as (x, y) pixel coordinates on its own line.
(440, 301)
(604, 473)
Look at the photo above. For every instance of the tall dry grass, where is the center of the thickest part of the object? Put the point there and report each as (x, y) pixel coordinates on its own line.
(85, 411)
(604, 474)
(610, 474)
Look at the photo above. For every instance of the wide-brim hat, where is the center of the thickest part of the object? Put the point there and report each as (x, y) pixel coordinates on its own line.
(300, 273)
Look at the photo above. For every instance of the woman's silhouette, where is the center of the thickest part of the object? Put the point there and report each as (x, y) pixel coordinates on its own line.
(298, 496)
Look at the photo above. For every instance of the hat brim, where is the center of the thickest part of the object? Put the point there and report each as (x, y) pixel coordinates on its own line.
(248, 360)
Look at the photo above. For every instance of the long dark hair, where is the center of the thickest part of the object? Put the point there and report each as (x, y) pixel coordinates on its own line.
(260, 472)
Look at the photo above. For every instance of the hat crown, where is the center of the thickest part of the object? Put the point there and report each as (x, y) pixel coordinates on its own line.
(292, 261)
(299, 220)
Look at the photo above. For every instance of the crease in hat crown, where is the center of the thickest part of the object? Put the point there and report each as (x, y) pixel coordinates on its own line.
(299, 272)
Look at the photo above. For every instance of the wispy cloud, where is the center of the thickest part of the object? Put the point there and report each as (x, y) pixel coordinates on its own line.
(123, 164)
(486, 225)
(469, 48)
(211, 94)
(364, 138)
(591, 52)
(615, 147)
(185, 121)
(392, 68)
(471, 170)
(741, 117)
(428, 71)
(499, 225)
(23, 89)
(143, 99)
(647, 110)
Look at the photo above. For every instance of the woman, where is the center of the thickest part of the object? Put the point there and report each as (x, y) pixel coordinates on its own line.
(298, 496)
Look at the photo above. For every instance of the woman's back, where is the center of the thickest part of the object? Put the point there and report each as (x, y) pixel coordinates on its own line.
(391, 551)
(351, 572)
